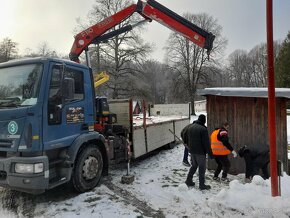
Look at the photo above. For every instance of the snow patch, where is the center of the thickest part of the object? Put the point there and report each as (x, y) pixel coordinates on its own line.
(183, 187)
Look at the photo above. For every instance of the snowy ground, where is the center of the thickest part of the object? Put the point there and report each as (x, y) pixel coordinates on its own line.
(158, 191)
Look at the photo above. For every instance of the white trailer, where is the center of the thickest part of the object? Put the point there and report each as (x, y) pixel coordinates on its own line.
(150, 130)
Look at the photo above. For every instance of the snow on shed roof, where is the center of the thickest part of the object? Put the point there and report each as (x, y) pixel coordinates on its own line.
(244, 92)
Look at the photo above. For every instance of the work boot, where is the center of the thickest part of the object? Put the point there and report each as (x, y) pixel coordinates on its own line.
(204, 187)
(216, 178)
(189, 183)
(186, 163)
(225, 180)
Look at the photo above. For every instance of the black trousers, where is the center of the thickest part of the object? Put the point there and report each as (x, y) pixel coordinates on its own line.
(223, 163)
(185, 154)
(197, 161)
(253, 165)
(255, 171)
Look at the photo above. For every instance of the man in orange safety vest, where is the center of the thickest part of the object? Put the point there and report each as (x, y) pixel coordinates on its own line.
(221, 148)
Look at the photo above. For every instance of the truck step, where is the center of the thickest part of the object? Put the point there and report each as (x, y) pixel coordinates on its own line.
(57, 181)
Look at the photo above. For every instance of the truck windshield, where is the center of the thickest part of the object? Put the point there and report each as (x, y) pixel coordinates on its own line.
(19, 85)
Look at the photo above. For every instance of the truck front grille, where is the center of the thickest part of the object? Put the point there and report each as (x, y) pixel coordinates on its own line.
(6, 143)
(3, 154)
(3, 175)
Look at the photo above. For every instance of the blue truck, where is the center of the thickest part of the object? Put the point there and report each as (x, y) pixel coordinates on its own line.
(47, 118)
(49, 112)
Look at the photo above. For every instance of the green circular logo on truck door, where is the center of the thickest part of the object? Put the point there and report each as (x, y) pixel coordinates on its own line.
(12, 127)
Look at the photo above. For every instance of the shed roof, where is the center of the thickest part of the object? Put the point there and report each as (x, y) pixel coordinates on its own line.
(244, 92)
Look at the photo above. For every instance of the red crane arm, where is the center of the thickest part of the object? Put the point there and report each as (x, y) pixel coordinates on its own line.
(168, 18)
(85, 38)
(150, 10)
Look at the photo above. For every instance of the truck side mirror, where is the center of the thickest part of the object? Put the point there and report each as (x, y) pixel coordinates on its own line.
(68, 89)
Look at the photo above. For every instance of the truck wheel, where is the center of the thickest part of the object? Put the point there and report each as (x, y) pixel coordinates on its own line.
(88, 169)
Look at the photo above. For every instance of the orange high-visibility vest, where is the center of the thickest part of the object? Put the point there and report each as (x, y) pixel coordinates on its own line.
(217, 146)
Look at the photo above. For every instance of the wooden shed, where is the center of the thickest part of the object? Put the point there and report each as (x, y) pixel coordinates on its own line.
(246, 110)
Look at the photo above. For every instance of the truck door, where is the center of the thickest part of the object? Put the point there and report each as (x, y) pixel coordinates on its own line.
(64, 114)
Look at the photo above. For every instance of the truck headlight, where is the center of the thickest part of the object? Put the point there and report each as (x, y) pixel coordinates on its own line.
(28, 168)
(38, 168)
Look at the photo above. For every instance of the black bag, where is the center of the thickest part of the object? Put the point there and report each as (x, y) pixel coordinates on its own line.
(184, 135)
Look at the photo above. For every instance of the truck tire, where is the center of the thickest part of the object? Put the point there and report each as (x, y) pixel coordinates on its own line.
(88, 169)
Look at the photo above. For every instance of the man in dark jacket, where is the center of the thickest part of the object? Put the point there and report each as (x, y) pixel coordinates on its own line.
(255, 159)
(198, 146)
(221, 148)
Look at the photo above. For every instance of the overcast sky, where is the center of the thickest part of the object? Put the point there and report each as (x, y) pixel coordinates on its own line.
(31, 22)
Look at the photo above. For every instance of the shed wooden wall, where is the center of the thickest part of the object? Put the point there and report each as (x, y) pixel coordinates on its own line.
(248, 118)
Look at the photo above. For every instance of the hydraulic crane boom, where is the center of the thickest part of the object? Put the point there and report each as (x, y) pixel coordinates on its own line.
(150, 10)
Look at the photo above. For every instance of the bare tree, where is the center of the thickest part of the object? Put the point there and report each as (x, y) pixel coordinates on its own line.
(5, 90)
(154, 81)
(250, 69)
(190, 61)
(8, 50)
(239, 67)
(43, 50)
(117, 54)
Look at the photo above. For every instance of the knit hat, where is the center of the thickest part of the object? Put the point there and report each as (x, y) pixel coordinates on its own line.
(202, 119)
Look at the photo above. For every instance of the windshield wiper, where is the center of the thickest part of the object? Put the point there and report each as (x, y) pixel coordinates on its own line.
(8, 104)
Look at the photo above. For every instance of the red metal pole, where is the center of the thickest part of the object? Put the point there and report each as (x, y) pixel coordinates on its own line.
(271, 101)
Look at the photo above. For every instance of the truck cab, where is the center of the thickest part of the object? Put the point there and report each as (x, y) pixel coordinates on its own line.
(47, 116)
